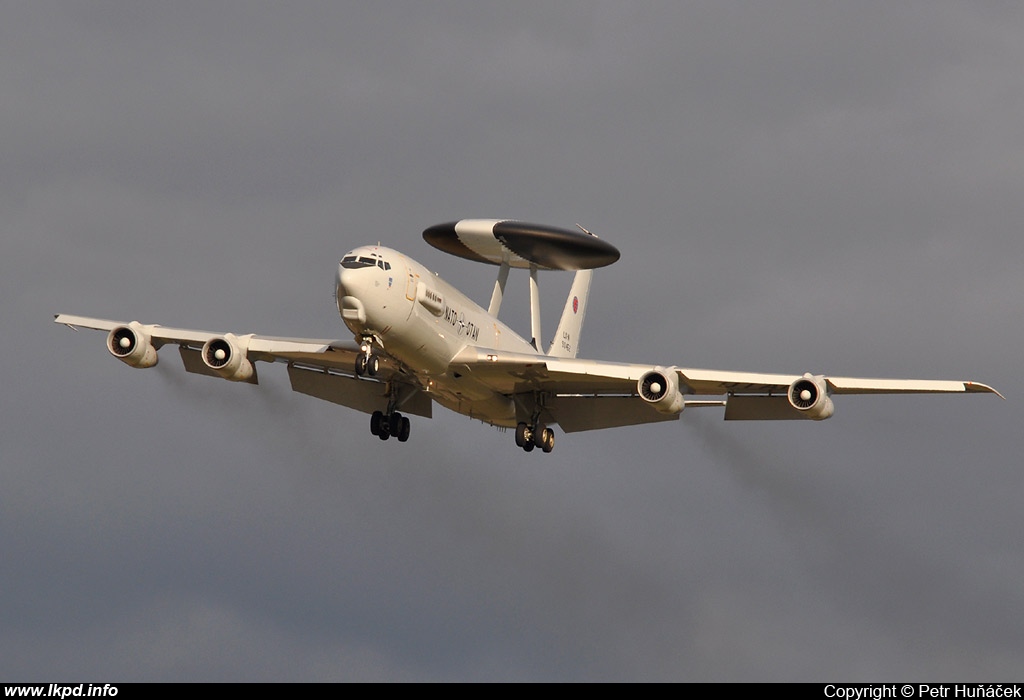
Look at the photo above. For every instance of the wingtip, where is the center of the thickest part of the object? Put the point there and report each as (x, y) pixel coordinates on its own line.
(63, 320)
(982, 388)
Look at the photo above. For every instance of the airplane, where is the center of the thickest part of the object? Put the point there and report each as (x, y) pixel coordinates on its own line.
(417, 340)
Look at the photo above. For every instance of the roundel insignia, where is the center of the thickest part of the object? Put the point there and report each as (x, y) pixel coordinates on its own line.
(575, 305)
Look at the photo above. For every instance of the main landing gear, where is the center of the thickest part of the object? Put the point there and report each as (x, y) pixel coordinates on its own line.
(538, 435)
(385, 426)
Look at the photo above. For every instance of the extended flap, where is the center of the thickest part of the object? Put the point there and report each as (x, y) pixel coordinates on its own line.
(738, 407)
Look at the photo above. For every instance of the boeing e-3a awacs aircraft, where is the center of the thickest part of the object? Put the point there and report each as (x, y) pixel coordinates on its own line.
(419, 340)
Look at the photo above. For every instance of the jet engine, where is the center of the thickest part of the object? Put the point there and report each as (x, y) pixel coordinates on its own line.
(227, 356)
(660, 388)
(132, 345)
(809, 394)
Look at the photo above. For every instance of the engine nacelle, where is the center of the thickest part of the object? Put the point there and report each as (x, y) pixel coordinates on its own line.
(132, 345)
(660, 388)
(809, 395)
(227, 356)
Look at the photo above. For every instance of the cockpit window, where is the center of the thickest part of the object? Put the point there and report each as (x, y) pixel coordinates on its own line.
(351, 262)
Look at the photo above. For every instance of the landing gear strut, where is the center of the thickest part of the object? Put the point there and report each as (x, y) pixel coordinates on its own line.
(528, 437)
(394, 424)
(388, 423)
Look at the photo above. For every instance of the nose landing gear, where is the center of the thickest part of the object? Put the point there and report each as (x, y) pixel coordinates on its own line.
(528, 437)
(367, 365)
(368, 362)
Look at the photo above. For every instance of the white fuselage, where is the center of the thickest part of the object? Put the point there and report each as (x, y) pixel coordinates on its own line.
(424, 322)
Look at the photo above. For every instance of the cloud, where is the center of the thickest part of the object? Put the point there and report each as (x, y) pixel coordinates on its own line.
(792, 188)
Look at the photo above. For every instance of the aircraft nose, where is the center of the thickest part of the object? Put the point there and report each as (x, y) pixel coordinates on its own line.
(348, 282)
(348, 297)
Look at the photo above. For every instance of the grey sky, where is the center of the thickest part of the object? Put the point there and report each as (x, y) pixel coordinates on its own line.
(795, 186)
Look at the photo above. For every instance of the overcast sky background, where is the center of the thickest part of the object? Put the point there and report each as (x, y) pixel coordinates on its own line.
(795, 186)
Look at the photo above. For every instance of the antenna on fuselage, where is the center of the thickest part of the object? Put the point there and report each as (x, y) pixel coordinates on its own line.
(534, 308)
(509, 243)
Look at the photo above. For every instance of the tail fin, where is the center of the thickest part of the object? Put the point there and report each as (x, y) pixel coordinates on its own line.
(566, 342)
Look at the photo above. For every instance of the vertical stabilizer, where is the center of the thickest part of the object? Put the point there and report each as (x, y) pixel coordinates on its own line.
(566, 342)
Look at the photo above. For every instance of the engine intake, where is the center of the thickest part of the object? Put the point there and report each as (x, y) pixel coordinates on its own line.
(227, 356)
(809, 395)
(660, 388)
(132, 345)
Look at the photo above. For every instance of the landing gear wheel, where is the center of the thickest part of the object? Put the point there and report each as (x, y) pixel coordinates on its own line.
(387, 426)
(367, 365)
(538, 436)
(395, 423)
(376, 418)
(547, 440)
(522, 433)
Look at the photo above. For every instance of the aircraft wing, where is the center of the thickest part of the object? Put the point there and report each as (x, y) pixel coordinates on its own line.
(322, 353)
(705, 381)
(589, 394)
(322, 368)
